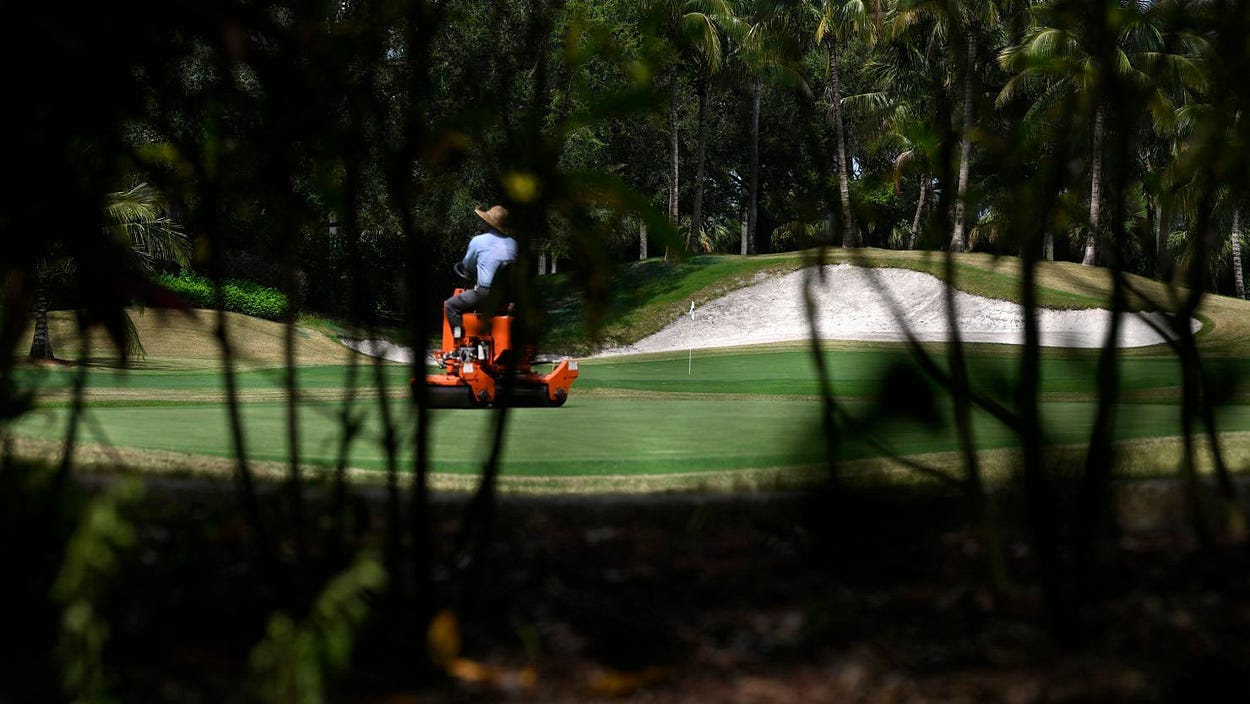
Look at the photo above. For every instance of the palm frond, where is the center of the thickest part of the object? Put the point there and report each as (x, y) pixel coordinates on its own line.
(138, 218)
(796, 234)
(868, 102)
(701, 31)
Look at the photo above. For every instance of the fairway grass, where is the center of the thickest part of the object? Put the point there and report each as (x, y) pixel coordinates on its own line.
(1134, 459)
(724, 419)
(741, 418)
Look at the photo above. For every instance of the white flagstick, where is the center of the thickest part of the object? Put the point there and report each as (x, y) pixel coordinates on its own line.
(690, 350)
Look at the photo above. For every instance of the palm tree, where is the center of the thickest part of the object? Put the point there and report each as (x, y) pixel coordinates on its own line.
(837, 21)
(705, 31)
(139, 219)
(765, 33)
(901, 101)
(1067, 54)
(968, 26)
(1239, 278)
(693, 28)
(41, 343)
(1214, 132)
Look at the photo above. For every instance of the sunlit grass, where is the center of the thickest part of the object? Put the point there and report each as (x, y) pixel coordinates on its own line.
(723, 418)
(714, 412)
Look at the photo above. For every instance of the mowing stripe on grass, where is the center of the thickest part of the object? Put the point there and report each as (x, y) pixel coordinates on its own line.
(594, 436)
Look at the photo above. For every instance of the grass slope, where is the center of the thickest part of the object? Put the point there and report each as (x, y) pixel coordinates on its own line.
(175, 341)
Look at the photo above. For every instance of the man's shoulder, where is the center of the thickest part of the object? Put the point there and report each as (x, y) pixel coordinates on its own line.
(494, 238)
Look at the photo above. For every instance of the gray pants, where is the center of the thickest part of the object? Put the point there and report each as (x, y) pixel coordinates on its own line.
(464, 302)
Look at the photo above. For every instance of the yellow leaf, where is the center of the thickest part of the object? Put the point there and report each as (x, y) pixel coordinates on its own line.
(443, 638)
(614, 683)
(504, 678)
(521, 187)
(468, 670)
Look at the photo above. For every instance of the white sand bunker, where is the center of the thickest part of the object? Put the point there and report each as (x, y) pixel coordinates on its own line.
(380, 348)
(854, 303)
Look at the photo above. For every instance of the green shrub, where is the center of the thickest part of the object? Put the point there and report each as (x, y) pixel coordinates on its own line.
(245, 297)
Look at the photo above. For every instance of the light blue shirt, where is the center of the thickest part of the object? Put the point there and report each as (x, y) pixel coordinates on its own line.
(487, 252)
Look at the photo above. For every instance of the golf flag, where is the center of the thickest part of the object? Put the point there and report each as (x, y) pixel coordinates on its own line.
(690, 351)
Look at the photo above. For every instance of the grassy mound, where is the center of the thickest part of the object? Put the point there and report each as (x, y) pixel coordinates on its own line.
(178, 341)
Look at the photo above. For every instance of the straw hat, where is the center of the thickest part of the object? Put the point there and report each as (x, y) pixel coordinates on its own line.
(495, 217)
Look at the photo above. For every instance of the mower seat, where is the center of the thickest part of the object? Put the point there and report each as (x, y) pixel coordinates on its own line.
(502, 297)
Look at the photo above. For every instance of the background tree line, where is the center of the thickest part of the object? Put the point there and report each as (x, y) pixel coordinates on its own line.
(754, 126)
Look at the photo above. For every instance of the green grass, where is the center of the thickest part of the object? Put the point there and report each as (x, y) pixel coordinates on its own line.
(600, 437)
(714, 412)
(859, 372)
(313, 377)
(722, 414)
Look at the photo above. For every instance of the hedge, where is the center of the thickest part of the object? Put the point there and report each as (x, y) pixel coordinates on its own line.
(245, 297)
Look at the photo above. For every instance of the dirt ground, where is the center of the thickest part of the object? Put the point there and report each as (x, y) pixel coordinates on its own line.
(776, 600)
(871, 597)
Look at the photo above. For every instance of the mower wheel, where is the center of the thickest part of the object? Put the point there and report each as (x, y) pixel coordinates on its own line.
(561, 397)
(450, 397)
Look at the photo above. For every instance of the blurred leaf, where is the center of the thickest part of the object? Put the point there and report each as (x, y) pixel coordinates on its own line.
(497, 677)
(294, 660)
(92, 560)
(615, 683)
(522, 187)
(1224, 381)
(443, 638)
(907, 393)
(13, 403)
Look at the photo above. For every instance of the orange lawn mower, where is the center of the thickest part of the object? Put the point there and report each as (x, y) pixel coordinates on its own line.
(482, 368)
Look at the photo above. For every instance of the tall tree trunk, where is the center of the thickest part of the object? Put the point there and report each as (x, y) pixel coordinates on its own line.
(915, 219)
(542, 263)
(835, 115)
(1095, 194)
(745, 229)
(696, 219)
(958, 243)
(1151, 225)
(672, 158)
(642, 240)
(1163, 258)
(753, 195)
(41, 343)
(1239, 281)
